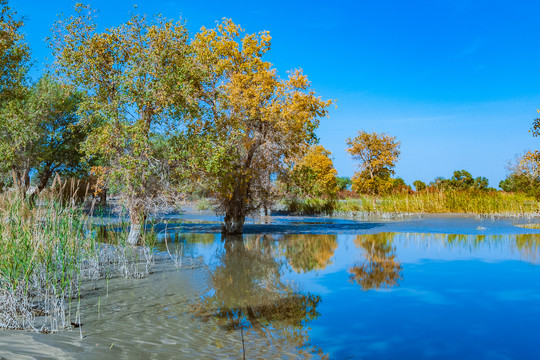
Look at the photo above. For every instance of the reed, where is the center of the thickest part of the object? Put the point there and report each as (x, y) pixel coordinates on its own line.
(47, 253)
(445, 201)
(310, 206)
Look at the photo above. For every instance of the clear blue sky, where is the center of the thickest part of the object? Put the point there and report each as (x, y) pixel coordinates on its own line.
(457, 82)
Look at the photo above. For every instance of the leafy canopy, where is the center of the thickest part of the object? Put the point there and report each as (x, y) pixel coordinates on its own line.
(377, 155)
(41, 133)
(314, 175)
(137, 78)
(14, 55)
(524, 176)
(251, 122)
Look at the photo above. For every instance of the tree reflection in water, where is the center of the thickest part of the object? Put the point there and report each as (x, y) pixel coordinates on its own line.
(305, 252)
(250, 295)
(529, 246)
(380, 268)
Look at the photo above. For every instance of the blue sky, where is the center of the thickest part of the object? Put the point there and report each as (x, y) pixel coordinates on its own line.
(455, 81)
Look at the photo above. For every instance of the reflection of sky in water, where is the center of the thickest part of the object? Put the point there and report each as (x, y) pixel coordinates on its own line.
(465, 309)
(462, 298)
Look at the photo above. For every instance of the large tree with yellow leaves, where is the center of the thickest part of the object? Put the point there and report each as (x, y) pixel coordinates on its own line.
(251, 122)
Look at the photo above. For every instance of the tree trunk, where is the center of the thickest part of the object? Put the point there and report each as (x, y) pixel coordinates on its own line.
(43, 180)
(15, 176)
(234, 244)
(103, 198)
(236, 209)
(21, 179)
(137, 215)
(234, 222)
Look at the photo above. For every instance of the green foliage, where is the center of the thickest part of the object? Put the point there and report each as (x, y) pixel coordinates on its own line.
(399, 186)
(419, 185)
(461, 180)
(48, 252)
(310, 206)
(41, 258)
(41, 133)
(139, 80)
(444, 201)
(524, 176)
(14, 55)
(343, 183)
(521, 183)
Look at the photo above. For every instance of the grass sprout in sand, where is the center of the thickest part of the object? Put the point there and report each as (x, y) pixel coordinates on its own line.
(47, 252)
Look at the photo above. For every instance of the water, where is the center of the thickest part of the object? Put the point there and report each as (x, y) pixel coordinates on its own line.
(312, 287)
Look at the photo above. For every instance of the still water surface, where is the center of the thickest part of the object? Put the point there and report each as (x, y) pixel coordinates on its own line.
(317, 288)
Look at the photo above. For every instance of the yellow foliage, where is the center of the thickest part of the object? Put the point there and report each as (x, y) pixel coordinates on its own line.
(252, 121)
(315, 173)
(377, 154)
(380, 268)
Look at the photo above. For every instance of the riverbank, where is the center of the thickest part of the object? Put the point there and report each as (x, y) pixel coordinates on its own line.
(483, 203)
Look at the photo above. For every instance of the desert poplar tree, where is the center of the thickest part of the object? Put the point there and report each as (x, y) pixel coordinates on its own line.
(251, 121)
(40, 134)
(14, 65)
(314, 175)
(136, 77)
(377, 155)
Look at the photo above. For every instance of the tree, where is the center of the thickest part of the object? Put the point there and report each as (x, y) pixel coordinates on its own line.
(137, 78)
(314, 175)
(14, 64)
(524, 176)
(461, 180)
(377, 154)
(14, 55)
(530, 162)
(343, 183)
(398, 186)
(40, 133)
(419, 185)
(440, 183)
(252, 123)
(481, 183)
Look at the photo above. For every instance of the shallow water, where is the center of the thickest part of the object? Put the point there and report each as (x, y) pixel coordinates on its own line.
(315, 287)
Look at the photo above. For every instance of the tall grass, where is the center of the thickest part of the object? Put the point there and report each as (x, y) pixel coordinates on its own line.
(309, 206)
(440, 201)
(445, 201)
(46, 252)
